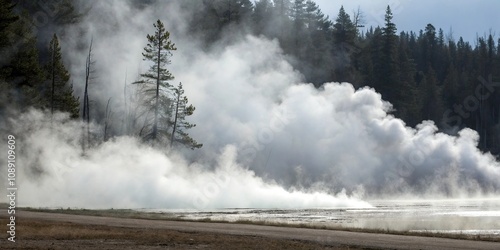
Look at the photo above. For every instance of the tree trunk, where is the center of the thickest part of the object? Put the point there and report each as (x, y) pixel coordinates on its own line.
(106, 121)
(86, 103)
(155, 125)
(175, 119)
(52, 98)
(126, 119)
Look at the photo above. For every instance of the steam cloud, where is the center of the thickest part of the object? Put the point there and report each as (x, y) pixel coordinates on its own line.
(269, 140)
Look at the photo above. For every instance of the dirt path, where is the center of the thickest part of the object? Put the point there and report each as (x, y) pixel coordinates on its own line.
(247, 234)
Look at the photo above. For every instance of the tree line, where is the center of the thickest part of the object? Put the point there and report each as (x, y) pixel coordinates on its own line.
(426, 75)
(26, 80)
(29, 80)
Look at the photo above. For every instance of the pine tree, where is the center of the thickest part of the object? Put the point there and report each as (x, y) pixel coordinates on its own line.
(155, 81)
(315, 19)
(21, 68)
(51, 16)
(442, 57)
(432, 107)
(344, 34)
(344, 31)
(262, 16)
(429, 48)
(368, 57)
(406, 90)
(388, 71)
(232, 11)
(7, 17)
(300, 38)
(61, 92)
(282, 8)
(450, 86)
(317, 41)
(390, 39)
(180, 110)
(282, 21)
(298, 12)
(169, 105)
(62, 12)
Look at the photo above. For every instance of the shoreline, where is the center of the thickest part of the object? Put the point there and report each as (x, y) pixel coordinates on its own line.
(134, 214)
(37, 229)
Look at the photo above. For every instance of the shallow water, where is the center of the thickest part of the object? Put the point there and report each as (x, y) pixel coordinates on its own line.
(469, 216)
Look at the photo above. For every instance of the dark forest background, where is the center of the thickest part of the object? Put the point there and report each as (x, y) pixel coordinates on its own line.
(426, 74)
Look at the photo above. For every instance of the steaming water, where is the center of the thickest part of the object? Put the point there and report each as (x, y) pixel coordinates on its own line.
(469, 216)
(270, 141)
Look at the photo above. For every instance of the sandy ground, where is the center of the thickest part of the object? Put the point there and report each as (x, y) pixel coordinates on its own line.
(38, 230)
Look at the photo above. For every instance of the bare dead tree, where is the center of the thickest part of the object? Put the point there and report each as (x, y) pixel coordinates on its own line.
(86, 103)
(358, 19)
(107, 120)
(126, 115)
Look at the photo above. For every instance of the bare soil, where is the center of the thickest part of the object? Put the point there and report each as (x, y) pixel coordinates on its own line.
(45, 234)
(40, 230)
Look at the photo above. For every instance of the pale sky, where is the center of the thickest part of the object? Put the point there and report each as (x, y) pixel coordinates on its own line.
(466, 17)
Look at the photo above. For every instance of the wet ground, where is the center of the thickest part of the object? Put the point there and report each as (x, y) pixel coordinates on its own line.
(468, 216)
(41, 230)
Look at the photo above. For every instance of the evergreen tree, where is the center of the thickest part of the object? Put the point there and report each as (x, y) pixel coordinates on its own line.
(50, 16)
(181, 110)
(443, 57)
(432, 107)
(371, 58)
(429, 48)
(388, 71)
(490, 64)
(61, 93)
(232, 11)
(7, 17)
(262, 16)
(344, 31)
(282, 9)
(155, 81)
(498, 48)
(344, 34)
(450, 86)
(167, 103)
(300, 38)
(316, 42)
(61, 12)
(315, 20)
(298, 14)
(21, 68)
(406, 90)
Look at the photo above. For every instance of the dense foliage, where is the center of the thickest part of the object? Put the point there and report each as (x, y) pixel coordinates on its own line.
(426, 75)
